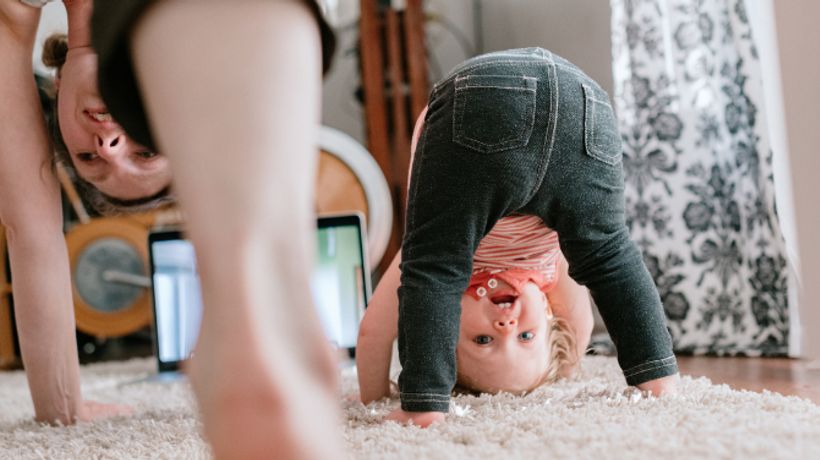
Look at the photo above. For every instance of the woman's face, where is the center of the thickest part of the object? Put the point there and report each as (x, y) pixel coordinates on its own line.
(101, 152)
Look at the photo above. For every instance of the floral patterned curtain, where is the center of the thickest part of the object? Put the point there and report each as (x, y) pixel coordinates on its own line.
(700, 192)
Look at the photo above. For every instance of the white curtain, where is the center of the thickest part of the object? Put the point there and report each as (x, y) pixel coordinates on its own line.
(700, 192)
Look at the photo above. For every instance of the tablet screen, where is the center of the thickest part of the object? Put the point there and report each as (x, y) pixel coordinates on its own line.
(177, 299)
(339, 286)
(338, 283)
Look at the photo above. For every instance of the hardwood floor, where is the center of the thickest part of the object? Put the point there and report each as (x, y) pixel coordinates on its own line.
(782, 375)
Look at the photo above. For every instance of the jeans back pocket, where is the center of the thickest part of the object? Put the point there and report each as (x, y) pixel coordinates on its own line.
(601, 137)
(492, 113)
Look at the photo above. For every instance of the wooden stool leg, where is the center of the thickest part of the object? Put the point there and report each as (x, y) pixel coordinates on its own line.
(371, 43)
(8, 357)
(416, 52)
(397, 37)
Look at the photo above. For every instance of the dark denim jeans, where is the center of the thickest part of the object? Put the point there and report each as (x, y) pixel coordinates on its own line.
(519, 131)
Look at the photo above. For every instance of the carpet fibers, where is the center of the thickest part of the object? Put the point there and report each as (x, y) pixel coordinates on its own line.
(593, 416)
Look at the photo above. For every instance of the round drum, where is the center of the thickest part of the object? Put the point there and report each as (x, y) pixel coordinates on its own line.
(109, 263)
(349, 179)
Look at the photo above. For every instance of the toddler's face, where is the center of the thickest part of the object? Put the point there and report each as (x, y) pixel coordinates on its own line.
(503, 342)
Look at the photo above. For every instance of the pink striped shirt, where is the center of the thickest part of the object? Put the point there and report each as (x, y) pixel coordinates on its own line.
(519, 242)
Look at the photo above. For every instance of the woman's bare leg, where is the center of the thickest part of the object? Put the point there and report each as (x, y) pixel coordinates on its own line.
(232, 90)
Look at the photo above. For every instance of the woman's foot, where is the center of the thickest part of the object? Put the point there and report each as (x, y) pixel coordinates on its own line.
(265, 401)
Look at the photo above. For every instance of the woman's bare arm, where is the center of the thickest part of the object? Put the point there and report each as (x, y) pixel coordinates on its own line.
(30, 210)
(378, 330)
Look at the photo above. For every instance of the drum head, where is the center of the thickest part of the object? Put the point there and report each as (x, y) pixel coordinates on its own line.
(349, 179)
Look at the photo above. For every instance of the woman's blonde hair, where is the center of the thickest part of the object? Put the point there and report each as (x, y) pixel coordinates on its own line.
(55, 50)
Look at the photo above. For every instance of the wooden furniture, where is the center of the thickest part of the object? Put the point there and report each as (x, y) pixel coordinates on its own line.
(342, 187)
(349, 179)
(8, 353)
(395, 83)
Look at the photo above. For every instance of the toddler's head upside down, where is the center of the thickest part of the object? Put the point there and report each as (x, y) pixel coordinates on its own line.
(510, 341)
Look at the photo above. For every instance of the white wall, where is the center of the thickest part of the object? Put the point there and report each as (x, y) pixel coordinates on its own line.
(798, 38)
(576, 30)
(761, 17)
(340, 108)
(52, 19)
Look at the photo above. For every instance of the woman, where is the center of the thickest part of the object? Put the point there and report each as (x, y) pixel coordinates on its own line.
(232, 90)
(30, 211)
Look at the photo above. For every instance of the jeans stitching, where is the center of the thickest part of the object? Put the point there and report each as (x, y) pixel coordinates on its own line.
(461, 76)
(552, 79)
(411, 207)
(661, 366)
(485, 147)
(650, 363)
(589, 110)
(480, 65)
(510, 88)
(575, 71)
(592, 147)
(600, 101)
(416, 397)
(649, 366)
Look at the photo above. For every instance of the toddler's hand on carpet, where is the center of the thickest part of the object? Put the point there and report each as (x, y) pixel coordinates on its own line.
(92, 410)
(422, 419)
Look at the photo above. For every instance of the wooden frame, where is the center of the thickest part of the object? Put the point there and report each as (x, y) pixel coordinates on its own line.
(8, 355)
(393, 52)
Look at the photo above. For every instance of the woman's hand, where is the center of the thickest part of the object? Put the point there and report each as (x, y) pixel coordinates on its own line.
(422, 419)
(92, 410)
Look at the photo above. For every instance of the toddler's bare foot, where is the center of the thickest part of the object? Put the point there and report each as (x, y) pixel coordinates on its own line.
(661, 386)
(422, 419)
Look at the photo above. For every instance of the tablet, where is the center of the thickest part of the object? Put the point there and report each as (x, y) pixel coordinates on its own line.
(340, 286)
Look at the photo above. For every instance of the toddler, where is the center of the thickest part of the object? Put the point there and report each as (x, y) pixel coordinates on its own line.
(518, 133)
(524, 322)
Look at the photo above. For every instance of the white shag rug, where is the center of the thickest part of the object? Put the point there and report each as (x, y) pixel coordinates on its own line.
(593, 416)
